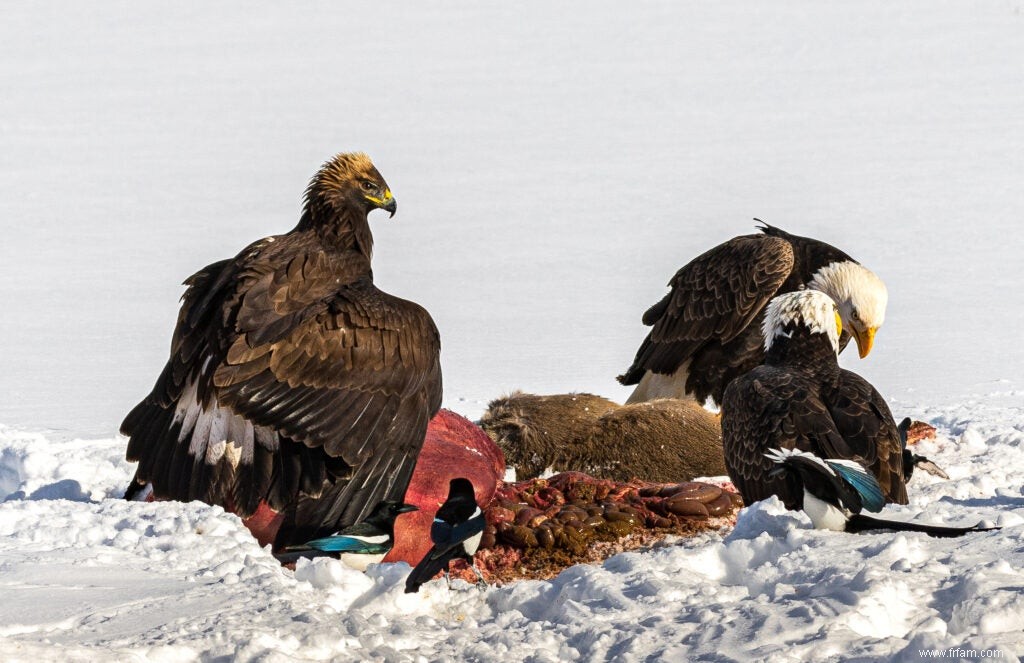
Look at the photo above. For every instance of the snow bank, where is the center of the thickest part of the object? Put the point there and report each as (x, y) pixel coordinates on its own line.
(86, 575)
(38, 468)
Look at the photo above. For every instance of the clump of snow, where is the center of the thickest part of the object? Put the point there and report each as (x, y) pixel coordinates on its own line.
(32, 466)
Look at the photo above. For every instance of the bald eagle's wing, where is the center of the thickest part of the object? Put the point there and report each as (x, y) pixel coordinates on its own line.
(714, 297)
(296, 371)
(771, 408)
(863, 419)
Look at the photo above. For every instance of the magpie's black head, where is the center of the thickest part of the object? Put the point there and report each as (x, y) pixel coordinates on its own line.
(385, 512)
(461, 488)
(461, 503)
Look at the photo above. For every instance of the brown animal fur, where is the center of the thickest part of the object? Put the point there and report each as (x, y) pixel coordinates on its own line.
(533, 430)
(664, 440)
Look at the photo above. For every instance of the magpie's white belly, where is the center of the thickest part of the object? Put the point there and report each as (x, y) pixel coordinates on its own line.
(360, 562)
(472, 543)
(823, 514)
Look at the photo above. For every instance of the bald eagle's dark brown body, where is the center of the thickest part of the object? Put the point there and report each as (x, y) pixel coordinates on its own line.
(712, 315)
(801, 399)
(292, 379)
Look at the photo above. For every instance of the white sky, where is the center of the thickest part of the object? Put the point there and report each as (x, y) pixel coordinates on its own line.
(554, 165)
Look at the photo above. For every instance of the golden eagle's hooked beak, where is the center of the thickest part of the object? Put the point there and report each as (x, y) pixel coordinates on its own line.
(387, 202)
(865, 340)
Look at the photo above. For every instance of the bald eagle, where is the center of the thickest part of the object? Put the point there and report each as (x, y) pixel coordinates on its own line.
(706, 330)
(292, 380)
(801, 399)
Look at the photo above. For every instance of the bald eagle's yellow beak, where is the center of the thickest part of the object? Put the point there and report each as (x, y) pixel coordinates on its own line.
(386, 202)
(865, 340)
(839, 324)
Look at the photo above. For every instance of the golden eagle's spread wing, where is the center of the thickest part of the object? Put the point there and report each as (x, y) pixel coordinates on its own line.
(357, 375)
(289, 370)
(712, 298)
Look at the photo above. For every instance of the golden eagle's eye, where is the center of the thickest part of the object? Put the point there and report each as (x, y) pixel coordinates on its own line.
(368, 185)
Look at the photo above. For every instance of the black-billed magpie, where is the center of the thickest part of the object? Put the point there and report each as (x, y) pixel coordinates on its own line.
(836, 491)
(456, 532)
(359, 545)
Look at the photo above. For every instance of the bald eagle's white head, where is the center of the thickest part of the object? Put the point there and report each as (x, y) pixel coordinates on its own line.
(861, 297)
(809, 308)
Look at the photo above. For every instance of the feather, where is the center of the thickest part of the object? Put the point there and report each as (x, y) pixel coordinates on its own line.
(866, 485)
(352, 544)
(712, 315)
(291, 372)
(798, 408)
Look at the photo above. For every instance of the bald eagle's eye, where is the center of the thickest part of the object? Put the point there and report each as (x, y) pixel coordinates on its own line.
(855, 316)
(368, 185)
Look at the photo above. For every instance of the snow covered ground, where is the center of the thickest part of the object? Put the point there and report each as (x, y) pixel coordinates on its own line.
(85, 575)
(554, 165)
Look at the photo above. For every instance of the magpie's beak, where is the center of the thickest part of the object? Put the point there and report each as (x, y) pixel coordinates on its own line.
(406, 508)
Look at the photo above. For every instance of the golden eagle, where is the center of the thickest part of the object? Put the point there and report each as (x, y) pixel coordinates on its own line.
(293, 381)
(800, 399)
(707, 329)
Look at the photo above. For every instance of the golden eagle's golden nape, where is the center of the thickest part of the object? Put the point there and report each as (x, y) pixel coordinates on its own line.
(341, 172)
(344, 175)
(340, 196)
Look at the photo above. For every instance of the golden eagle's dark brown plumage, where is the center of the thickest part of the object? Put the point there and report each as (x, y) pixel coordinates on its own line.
(800, 398)
(707, 329)
(292, 379)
